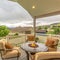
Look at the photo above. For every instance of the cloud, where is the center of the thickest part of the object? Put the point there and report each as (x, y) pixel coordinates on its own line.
(49, 20)
(12, 12)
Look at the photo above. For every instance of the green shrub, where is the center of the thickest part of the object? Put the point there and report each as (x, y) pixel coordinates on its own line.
(16, 34)
(4, 31)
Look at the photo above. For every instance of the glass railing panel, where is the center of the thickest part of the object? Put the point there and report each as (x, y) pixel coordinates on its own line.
(43, 38)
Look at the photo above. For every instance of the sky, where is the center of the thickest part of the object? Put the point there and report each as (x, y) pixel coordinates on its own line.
(13, 15)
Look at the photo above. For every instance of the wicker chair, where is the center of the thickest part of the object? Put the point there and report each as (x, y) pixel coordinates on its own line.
(52, 43)
(52, 52)
(8, 51)
(30, 37)
(47, 56)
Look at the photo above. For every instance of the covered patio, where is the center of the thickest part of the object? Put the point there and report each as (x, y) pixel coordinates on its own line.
(48, 12)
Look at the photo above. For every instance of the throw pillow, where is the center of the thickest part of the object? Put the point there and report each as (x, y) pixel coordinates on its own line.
(8, 45)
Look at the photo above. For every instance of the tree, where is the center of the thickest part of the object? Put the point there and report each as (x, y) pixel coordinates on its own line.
(3, 31)
(45, 27)
(56, 30)
(39, 28)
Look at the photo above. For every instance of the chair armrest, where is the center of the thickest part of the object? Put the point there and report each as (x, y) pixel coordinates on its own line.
(14, 49)
(30, 55)
(9, 50)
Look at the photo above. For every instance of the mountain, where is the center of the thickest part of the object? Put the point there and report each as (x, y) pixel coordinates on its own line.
(21, 29)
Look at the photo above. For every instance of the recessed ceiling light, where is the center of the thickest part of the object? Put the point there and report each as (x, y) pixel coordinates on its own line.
(33, 6)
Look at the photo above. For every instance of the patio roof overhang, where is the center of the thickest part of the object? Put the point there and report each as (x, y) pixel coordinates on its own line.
(42, 8)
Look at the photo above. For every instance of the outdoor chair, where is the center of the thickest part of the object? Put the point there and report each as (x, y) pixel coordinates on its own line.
(8, 51)
(52, 43)
(30, 37)
(52, 53)
(47, 55)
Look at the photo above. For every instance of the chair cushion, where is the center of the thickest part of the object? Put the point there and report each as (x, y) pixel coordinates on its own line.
(47, 55)
(52, 49)
(30, 37)
(50, 43)
(9, 54)
(8, 45)
(17, 48)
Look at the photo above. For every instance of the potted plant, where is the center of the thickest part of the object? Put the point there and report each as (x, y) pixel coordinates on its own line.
(36, 39)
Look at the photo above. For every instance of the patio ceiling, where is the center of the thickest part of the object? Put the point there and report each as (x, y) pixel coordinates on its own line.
(42, 7)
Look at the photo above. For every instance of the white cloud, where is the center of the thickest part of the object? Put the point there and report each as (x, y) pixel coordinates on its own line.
(49, 20)
(12, 12)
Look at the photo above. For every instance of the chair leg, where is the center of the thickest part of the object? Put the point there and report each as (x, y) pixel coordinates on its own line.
(17, 58)
(2, 59)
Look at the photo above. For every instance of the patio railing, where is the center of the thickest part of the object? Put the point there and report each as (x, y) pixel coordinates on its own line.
(17, 40)
(43, 37)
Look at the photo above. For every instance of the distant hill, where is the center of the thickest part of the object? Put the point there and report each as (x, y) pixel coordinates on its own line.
(20, 29)
(57, 24)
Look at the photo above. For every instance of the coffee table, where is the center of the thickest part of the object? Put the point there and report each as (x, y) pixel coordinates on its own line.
(41, 48)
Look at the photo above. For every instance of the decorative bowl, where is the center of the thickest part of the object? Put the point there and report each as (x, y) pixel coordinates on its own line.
(33, 45)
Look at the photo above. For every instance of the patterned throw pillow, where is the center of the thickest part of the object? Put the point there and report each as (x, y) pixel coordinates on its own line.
(30, 37)
(8, 45)
(50, 42)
